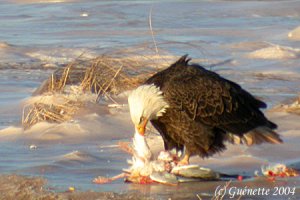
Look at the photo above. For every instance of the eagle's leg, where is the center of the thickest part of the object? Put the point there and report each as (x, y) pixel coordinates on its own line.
(185, 160)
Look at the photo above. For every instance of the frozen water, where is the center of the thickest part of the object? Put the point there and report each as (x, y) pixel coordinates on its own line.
(251, 42)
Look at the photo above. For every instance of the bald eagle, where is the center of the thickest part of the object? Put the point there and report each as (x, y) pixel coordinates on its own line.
(197, 110)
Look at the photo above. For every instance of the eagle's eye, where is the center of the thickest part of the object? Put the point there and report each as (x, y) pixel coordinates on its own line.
(142, 119)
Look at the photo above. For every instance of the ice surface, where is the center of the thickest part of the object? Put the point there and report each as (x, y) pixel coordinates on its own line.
(39, 36)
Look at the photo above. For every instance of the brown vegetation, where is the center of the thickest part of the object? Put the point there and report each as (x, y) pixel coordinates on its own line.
(293, 107)
(15, 187)
(105, 76)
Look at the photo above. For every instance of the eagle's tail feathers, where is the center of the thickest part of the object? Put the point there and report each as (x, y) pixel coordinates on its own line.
(258, 135)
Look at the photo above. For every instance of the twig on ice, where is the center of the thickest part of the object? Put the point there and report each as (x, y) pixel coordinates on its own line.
(103, 180)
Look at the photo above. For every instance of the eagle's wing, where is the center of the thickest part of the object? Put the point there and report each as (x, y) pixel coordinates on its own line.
(210, 99)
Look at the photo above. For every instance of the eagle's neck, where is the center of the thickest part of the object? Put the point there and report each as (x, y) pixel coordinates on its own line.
(141, 147)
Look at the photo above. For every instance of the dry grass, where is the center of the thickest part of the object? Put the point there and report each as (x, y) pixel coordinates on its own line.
(49, 111)
(16, 187)
(105, 76)
(290, 108)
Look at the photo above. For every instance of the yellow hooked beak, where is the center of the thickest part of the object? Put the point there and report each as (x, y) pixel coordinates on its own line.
(142, 127)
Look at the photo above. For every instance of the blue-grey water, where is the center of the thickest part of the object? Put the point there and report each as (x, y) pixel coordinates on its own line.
(222, 34)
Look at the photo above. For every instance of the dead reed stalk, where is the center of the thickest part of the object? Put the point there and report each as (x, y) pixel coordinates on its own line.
(105, 76)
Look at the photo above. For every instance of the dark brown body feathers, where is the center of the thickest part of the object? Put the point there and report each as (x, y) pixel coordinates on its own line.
(206, 110)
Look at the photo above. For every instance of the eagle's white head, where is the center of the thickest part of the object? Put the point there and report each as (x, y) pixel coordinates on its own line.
(146, 103)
